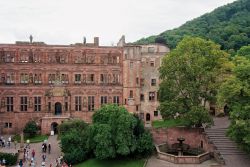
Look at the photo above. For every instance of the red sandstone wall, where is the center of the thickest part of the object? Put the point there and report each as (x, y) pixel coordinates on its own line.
(193, 136)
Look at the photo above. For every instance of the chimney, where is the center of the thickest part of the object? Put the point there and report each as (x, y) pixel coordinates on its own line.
(96, 41)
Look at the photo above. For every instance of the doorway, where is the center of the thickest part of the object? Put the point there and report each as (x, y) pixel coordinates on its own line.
(58, 108)
(54, 126)
(147, 117)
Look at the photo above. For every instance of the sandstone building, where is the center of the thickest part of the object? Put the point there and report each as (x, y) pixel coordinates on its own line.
(53, 83)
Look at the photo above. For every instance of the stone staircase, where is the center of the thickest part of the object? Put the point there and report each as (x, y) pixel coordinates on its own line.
(223, 143)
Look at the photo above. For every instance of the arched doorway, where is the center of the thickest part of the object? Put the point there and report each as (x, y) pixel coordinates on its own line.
(54, 126)
(226, 109)
(58, 108)
(147, 117)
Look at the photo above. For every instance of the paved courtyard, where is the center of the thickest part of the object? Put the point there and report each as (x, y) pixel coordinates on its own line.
(50, 158)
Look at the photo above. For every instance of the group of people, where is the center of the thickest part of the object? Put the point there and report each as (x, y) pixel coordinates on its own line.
(45, 147)
(28, 157)
(3, 142)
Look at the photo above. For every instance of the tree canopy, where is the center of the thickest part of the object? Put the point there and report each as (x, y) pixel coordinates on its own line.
(228, 26)
(235, 92)
(190, 75)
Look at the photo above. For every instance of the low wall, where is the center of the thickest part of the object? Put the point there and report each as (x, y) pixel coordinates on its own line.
(194, 137)
(182, 159)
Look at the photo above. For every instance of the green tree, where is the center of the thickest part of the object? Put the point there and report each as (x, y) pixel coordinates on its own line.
(116, 132)
(30, 129)
(74, 140)
(235, 92)
(190, 75)
(244, 51)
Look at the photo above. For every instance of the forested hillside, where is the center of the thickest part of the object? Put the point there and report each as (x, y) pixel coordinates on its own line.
(228, 25)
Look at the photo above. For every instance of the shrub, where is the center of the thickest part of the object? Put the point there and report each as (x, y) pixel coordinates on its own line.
(11, 159)
(30, 129)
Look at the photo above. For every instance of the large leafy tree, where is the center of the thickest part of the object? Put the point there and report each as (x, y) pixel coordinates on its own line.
(190, 75)
(116, 132)
(235, 92)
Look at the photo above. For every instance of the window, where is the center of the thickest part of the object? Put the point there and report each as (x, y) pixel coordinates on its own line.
(131, 64)
(91, 103)
(142, 97)
(9, 104)
(137, 80)
(156, 113)
(137, 107)
(66, 106)
(8, 125)
(116, 78)
(10, 78)
(153, 82)
(152, 63)
(116, 100)
(142, 81)
(77, 78)
(151, 96)
(103, 78)
(131, 94)
(9, 57)
(65, 78)
(38, 78)
(104, 100)
(125, 101)
(24, 57)
(49, 106)
(90, 78)
(141, 116)
(52, 78)
(24, 78)
(24, 103)
(37, 103)
(78, 103)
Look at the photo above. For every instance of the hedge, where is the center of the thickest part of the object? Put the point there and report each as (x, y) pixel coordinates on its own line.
(11, 158)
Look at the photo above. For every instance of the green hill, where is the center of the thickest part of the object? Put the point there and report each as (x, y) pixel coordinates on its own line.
(228, 25)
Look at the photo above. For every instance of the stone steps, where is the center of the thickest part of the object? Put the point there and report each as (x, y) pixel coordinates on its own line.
(223, 143)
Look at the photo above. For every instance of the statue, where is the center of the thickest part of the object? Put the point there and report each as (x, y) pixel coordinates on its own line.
(31, 38)
(84, 40)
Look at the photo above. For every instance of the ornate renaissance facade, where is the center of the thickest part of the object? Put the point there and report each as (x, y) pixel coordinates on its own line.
(52, 83)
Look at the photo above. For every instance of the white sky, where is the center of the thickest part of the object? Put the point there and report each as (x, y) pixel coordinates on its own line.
(67, 21)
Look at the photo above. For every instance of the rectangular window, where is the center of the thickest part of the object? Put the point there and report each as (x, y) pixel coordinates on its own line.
(9, 57)
(137, 80)
(142, 97)
(152, 63)
(10, 78)
(131, 64)
(8, 125)
(9, 104)
(116, 100)
(90, 78)
(24, 78)
(104, 100)
(103, 78)
(153, 82)
(151, 96)
(156, 113)
(38, 78)
(66, 106)
(24, 103)
(91, 103)
(77, 78)
(65, 78)
(49, 106)
(131, 95)
(137, 107)
(78, 103)
(142, 81)
(37, 103)
(52, 78)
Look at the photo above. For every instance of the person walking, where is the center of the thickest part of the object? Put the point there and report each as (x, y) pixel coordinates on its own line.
(20, 163)
(44, 157)
(49, 148)
(33, 153)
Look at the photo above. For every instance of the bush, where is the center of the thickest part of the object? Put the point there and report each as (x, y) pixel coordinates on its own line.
(11, 159)
(30, 129)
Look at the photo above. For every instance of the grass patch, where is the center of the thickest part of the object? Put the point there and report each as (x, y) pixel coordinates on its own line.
(169, 123)
(35, 139)
(112, 163)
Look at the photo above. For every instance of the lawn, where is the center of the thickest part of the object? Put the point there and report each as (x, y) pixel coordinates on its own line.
(35, 139)
(169, 123)
(112, 163)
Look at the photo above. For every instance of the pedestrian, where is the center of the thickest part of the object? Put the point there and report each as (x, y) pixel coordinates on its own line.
(43, 164)
(3, 161)
(32, 164)
(9, 141)
(21, 163)
(44, 157)
(49, 148)
(33, 153)
(45, 147)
